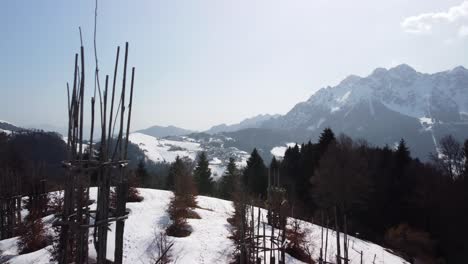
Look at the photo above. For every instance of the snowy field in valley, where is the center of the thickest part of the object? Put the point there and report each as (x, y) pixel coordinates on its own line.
(166, 150)
(208, 243)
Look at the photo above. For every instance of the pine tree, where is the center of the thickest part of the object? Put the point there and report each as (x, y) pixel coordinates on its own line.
(184, 199)
(228, 181)
(465, 152)
(255, 176)
(175, 169)
(403, 156)
(326, 138)
(202, 175)
(141, 173)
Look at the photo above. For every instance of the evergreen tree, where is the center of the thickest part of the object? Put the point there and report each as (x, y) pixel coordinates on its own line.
(255, 176)
(326, 138)
(184, 198)
(176, 168)
(403, 157)
(229, 179)
(141, 173)
(465, 152)
(202, 175)
(290, 169)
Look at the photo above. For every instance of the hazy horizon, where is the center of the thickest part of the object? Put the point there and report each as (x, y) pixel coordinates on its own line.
(225, 61)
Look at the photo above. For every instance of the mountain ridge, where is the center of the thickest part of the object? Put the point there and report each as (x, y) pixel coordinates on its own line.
(164, 131)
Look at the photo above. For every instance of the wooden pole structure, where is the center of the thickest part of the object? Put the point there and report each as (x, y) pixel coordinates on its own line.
(74, 221)
(121, 188)
(338, 253)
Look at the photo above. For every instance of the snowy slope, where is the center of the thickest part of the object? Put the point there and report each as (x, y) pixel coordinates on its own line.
(208, 243)
(163, 150)
(167, 149)
(279, 151)
(8, 127)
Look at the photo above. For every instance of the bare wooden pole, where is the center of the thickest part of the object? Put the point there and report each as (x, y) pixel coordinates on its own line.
(103, 189)
(129, 113)
(82, 82)
(326, 241)
(321, 242)
(338, 252)
(109, 136)
(121, 189)
(345, 236)
(93, 101)
(264, 241)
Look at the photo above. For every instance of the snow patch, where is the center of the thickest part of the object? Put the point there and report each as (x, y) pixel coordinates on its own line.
(345, 97)
(8, 132)
(278, 152)
(335, 109)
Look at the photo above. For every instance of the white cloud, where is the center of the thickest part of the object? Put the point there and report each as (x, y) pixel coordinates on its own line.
(426, 23)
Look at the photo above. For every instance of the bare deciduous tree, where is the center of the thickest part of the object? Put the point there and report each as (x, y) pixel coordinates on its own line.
(450, 159)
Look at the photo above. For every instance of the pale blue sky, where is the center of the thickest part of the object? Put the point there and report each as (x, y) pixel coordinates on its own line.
(201, 63)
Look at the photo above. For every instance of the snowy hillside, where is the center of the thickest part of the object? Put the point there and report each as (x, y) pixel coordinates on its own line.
(208, 243)
(167, 149)
(7, 127)
(279, 151)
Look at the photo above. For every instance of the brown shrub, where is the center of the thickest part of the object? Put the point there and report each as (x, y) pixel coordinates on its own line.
(32, 236)
(297, 246)
(411, 243)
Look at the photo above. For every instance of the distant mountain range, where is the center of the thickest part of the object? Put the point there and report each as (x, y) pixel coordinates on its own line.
(381, 108)
(253, 122)
(161, 131)
(386, 106)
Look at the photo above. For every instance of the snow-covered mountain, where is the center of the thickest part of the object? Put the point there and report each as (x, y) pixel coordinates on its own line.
(382, 108)
(442, 96)
(253, 122)
(161, 131)
(387, 105)
(208, 243)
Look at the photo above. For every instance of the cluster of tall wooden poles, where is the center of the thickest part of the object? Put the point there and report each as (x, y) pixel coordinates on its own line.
(255, 238)
(108, 162)
(10, 203)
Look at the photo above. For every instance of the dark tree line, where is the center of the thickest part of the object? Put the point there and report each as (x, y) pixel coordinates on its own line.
(378, 193)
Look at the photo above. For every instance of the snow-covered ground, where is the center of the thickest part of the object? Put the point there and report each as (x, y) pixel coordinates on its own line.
(162, 150)
(5, 131)
(166, 150)
(279, 151)
(208, 243)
